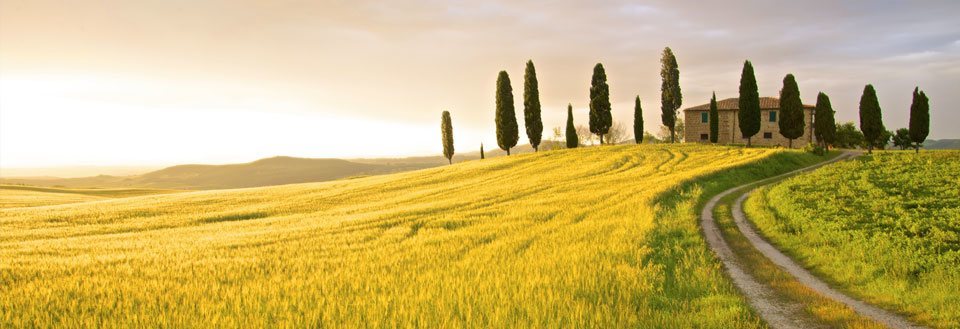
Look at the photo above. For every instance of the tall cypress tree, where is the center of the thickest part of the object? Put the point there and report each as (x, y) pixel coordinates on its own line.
(572, 140)
(446, 129)
(600, 117)
(871, 122)
(670, 95)
(481, 152)
(919, 118)
(531, 106)
(824, 125)
(507, 134)
(791, 110)
(637, 121)
(749, 103)
(714, 119)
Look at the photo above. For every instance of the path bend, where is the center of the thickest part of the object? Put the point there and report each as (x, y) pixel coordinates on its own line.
(778, 313)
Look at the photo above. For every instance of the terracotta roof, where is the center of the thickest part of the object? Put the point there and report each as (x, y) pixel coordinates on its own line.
(730, 104)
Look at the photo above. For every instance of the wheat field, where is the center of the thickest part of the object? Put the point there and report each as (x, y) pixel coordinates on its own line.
(593, 237)
(15, 196)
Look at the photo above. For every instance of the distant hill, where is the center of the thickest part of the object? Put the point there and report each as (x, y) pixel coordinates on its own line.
(75, 171)
(491, 151)
(942, 144)
(264, 172)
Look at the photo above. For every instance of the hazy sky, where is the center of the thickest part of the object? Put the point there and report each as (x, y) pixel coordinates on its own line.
(170, 81)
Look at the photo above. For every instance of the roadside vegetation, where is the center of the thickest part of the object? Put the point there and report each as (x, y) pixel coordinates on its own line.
(813, 307)
(885, 227)
(612, 241)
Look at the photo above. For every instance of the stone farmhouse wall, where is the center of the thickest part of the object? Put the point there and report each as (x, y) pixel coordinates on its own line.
(695, 129)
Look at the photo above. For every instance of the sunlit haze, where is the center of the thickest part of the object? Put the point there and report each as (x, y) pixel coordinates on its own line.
(170, 82)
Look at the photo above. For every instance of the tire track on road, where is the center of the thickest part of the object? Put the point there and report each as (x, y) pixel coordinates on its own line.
(779, 313)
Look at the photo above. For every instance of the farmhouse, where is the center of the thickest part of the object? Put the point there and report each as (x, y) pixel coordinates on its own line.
(697, 124)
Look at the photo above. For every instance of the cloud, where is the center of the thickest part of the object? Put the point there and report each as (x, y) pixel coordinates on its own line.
(914, 56)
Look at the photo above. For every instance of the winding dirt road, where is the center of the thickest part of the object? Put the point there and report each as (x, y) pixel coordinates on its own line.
(777, 312)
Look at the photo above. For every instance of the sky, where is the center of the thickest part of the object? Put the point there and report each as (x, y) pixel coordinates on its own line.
(173, 81)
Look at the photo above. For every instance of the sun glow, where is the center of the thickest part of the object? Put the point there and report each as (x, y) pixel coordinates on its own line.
(89, 119)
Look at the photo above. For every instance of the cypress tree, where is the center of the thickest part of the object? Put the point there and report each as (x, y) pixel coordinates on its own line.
(600, 117)
(572, 140)
(670, 95)
(637, 121)
(871, 122)
(446, 129)
(714, 119)
(919, 118)
(791, 110)
(749, 103)
(824, 125)
(531, 106)
(507, 134)
(481, 151)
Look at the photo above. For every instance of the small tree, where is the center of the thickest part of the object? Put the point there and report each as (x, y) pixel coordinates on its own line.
(824, 127)
(665, 133)
(680, 130)
(637, 121)
(585, 136)
(871, 122)
(848, 136)
(446, 129)
(791, 110)
(670, 95)
(506, 119)
(616, 134)
(481, 152)
(714, 119)
(919, 118)
(531, 106)
(881, 142)
(749, 113)
(572, 140)
(901, 139)
(600, 117)
(650, 138)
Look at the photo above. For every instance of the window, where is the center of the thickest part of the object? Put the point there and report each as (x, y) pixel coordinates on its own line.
(704, 117)
(704, 137)
(768, 135)
(773, 116)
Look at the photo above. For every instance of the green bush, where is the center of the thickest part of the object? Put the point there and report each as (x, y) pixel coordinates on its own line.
(815, 149)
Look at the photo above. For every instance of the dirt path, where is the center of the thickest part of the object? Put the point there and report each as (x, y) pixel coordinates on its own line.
(779, 313)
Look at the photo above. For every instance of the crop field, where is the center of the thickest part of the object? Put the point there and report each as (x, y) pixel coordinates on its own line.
(594, 237)
(12, 196)
(885, 227)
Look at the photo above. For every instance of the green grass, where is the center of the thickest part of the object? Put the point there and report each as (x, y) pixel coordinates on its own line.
(594, 237)
(12, 196)
(814, 307)
(885, 227)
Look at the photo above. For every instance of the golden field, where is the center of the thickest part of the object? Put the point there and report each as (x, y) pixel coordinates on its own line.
(14, 196)
(593, 237)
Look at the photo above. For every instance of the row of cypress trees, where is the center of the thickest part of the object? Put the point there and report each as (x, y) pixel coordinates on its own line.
(505, 118)
(791, 122)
